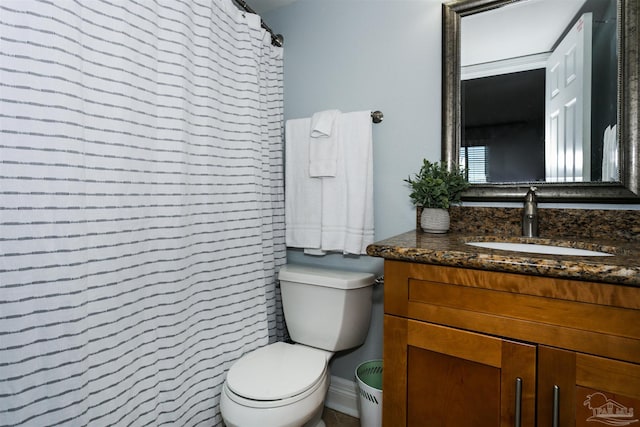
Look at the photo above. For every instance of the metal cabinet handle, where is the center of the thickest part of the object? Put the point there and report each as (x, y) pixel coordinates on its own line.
(518, 417)
(556, 406)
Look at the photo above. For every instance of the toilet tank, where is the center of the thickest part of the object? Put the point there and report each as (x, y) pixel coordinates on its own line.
(326, 308)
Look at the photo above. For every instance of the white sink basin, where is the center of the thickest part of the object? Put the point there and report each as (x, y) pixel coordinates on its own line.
(537, 248)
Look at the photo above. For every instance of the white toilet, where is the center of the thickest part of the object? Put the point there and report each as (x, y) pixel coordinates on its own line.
(284, 385)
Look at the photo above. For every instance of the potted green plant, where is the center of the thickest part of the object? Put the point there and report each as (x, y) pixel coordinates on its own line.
(435, 188)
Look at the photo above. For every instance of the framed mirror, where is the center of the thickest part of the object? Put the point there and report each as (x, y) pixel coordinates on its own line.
(591, 171)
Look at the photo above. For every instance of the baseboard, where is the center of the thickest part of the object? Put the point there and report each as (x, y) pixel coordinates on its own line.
(342, 396)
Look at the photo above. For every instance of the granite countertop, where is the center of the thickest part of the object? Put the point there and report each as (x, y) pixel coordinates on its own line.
(450, 249)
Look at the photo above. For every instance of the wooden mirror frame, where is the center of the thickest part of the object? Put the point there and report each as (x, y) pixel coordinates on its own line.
(625, 191)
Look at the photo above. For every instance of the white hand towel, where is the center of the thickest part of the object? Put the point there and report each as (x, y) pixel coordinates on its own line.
(314, 252)
(347, 198)
(303, 203)
(323, 123)
(323, 149)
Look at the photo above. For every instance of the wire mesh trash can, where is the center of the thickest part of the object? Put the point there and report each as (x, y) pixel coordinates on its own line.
(369, 376)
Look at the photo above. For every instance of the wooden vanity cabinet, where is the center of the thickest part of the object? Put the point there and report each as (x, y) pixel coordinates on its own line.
(467, 347)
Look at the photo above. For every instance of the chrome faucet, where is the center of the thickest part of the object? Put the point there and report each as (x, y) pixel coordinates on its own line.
(530, 214)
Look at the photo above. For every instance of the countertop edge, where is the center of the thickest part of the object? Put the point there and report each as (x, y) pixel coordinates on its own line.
(568, 268)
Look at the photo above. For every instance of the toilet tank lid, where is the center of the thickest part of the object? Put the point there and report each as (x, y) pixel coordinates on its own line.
(328, 277)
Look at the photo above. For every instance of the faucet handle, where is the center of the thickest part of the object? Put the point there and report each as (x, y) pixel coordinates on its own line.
(531, 194)
(529, 214)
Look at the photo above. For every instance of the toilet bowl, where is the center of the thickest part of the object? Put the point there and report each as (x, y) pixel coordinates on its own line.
(282, 384)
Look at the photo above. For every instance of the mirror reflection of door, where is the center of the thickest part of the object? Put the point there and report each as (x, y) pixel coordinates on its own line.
(503, 57)
(568, 106)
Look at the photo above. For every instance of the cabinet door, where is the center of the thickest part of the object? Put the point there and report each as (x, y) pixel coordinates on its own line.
(445, 377)
(576, 389)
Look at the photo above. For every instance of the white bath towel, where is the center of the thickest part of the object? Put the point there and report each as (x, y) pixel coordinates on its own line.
(303, 194)
(347, 198)
(610, 168)
(323, 148)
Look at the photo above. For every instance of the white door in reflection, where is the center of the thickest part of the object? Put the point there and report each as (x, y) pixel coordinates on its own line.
(568, 106)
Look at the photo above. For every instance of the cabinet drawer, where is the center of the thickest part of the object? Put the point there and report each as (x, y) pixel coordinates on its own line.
(570, 314)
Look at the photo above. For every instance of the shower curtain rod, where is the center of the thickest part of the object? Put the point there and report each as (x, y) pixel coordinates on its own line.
(276, 39)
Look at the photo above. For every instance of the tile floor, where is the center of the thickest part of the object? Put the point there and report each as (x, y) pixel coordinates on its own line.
(338, 419)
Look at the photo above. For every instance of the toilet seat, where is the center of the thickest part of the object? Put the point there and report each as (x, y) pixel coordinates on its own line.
(276, 372)
(292, 412)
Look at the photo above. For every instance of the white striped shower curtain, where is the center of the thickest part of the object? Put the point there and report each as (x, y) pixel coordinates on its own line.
(141, 208)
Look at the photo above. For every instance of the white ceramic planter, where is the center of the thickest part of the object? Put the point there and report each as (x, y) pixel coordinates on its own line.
(434, 220)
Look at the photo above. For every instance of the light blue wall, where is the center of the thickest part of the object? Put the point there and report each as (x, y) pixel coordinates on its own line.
(371, 54)
(359, 55)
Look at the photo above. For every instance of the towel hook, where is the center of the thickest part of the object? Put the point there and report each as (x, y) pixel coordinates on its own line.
(377, 116)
